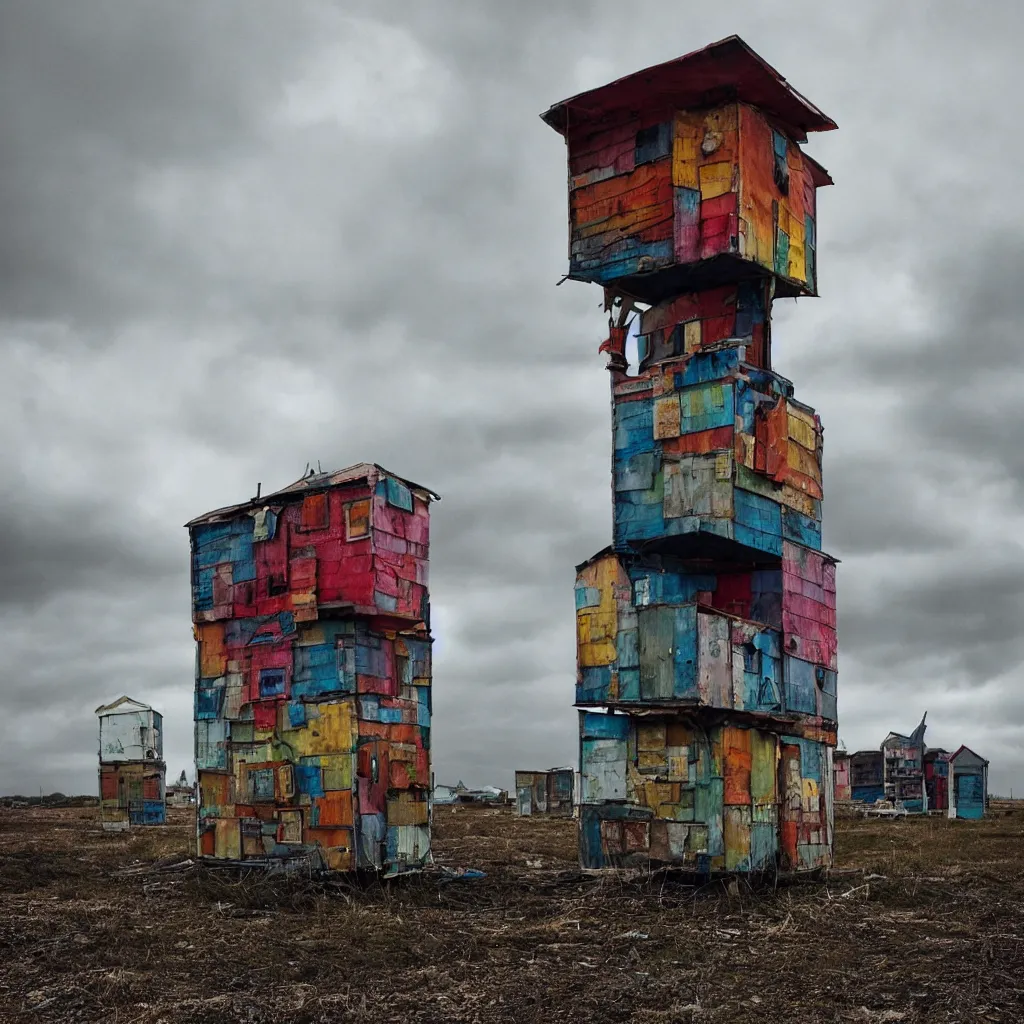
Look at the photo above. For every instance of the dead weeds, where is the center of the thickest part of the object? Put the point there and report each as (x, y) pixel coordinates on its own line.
(923, 921)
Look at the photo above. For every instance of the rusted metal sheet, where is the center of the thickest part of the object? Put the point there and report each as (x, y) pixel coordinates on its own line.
(314, 674)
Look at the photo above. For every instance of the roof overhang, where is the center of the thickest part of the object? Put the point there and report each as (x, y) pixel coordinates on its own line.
(723, 71)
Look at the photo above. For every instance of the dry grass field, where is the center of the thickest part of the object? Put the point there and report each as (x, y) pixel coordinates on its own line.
(923, 920)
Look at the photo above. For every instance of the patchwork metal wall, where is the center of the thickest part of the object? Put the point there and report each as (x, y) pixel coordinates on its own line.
(132, 770)
(706, 631)
(313, 674)
(549, 792)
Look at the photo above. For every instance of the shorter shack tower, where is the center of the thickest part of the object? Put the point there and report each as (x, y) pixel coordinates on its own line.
(131, 765)
(312, 702)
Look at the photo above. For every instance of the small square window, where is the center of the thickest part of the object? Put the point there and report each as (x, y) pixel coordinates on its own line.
(271, 682)
(357, 519)
(780, 170)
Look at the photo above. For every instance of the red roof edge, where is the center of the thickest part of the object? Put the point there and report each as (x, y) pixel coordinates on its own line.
(730, 62)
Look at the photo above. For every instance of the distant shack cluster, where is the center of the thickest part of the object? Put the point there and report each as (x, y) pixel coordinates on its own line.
(906, 775)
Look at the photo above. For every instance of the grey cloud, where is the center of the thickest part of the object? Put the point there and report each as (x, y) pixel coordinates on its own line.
(206, 281)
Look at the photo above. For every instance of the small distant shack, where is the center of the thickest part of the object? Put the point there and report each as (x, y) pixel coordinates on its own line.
(181, 794)
(548, 792)
(131, 776)
(903, 768)
(461, 794)
(969, 773)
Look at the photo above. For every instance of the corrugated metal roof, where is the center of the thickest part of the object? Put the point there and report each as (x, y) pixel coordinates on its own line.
(125, 704)
(310, 482)
(728, 68)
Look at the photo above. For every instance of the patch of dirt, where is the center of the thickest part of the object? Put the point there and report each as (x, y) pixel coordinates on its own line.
(923, 921)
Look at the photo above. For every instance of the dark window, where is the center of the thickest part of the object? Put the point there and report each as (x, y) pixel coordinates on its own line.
(271, 682)
(653, 143)
(780, 171)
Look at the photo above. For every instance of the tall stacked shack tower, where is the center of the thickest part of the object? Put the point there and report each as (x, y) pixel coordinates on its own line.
(132, 769)
(706, 631)
(312, 701)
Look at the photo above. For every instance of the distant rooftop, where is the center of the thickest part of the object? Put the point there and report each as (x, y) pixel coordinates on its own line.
(311, 482)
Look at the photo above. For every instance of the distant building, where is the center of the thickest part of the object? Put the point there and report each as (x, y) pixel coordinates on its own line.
(969, 773)
(181, 794)
(548, 792)
(904, 770)
(131, 765)
(866, 776)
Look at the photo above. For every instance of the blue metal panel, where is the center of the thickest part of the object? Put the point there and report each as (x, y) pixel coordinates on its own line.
(764, 845)
(758, 522)
(596, 726)
(627, 654)
(371, 659)
(969, 792)
(639, 515)
(398, 494)
(309, 779)
(385, 602)
(684, 654)
(153, 812)
(296, 714)
(209, 698)
(587, 597)
(621, 259)
(704, 367)
(629, 684)
(867, 794)
(674, 588)
(636, 472)
(202, 590)
(801, 687)
(594, 684)
(801, 529)
(634, 427)
(706, 407)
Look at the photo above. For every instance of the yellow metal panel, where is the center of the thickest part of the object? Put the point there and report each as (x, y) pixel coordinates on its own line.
(809, 793)
(763, 767)
(715, 179)
(691, 335)
(227, 839)
(800, 430)
(213, 660)
(686, 150)
(803, 461)
(797, 268)
(328, 733)
(737, 836)
(666, 417)
(650, 736)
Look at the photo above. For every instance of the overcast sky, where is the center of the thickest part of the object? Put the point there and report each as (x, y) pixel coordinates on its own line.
(236, 237)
